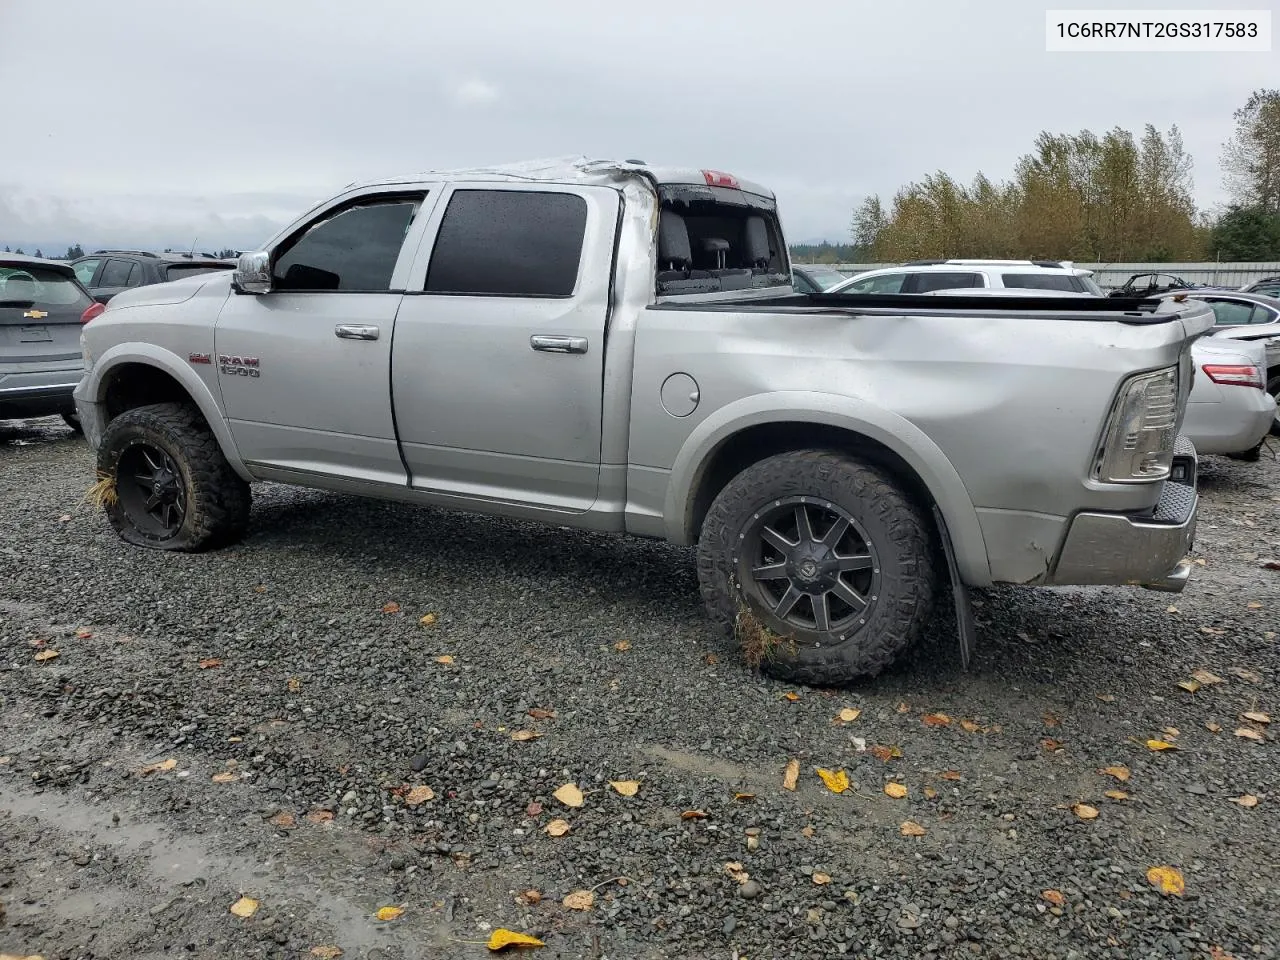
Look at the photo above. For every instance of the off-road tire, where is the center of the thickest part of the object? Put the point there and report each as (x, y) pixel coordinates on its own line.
(217, 499)
(898, 530)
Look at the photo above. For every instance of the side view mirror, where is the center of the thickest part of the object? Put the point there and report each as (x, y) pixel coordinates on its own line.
(253, 273)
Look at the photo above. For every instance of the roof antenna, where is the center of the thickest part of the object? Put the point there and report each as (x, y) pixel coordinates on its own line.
(193, 248)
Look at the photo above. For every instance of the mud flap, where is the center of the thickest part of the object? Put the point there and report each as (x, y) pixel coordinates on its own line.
(959, 593)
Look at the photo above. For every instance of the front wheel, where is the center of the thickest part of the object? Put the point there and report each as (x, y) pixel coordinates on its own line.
(820, 564)
(165, 483)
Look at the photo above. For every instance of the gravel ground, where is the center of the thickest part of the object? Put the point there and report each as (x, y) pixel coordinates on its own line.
(289, 708)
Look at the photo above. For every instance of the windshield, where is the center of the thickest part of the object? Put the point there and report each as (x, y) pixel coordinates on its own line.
(177, 271)
(39, 286)
(825, 277)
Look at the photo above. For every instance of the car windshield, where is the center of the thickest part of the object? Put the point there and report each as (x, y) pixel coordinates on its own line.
(825, 277)
(34, 285)
(176, 271)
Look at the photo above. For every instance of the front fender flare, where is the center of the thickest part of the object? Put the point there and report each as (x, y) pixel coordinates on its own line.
(901, 436)
(92, 390)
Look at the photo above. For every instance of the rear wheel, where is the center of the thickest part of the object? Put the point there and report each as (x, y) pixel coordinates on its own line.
(169, 485)
(820, 565)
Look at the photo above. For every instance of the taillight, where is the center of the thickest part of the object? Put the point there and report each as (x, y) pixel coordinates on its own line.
(715, 178)
(1138, 444)
(1242, 375)
(91, 312)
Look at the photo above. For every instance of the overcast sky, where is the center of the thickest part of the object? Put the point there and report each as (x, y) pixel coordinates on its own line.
(153, 122)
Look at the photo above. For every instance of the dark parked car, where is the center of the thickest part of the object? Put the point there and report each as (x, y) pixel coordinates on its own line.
(1152, 284)
(42, 307)
(106, 272)
(1270, 286)
(815, 277)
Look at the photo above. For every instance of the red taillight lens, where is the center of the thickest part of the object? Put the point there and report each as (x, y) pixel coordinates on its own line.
(92, 312)
(1242, 375)
(715, 178)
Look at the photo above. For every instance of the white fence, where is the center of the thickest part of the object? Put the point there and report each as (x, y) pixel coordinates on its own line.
(1110, 275)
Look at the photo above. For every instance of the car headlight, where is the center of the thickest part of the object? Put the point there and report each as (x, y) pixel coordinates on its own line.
(1137, 446)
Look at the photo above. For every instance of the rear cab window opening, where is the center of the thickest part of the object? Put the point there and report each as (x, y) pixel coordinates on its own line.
(713, 238)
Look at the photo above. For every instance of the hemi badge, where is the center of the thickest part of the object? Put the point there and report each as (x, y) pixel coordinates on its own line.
(36, 314)
(199, 358)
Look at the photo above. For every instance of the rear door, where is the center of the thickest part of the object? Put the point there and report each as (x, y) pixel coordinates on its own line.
(40, 310)
(498, 367)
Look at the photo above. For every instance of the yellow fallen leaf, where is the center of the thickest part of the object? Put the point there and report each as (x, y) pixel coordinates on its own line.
(446, 659)
(622, 646)
(895, 790)
(580, 900)
(226, 776)
(1167, 879)
(936, 720)
(744, 796)
(428, 620)
(1254, 605)
(245, 907)
(161, 766)
(209, 663)
(694, 815)
(1246, 675)
(1191, 686)
(391, 607)
(84, 633)
(523, 735)
(821, 879)
(44, 655)
(1170, 732)
(1116, 795)
(1213, 727)
(502, 938)
(791, 695)
(910, 828)
(807, 831)
(951, 775)
(557, 828)
(1249, 733)
(1120, 773)
(930, 793)
(417, 795)
(1160, 745)
(1054, 896)
(389, 913)
(837, 781)
(1084, 811)
(734, 869)
(1248, 800)
(969, 726)
(326, 952)
(628, 788)
(294, 684)
(791, 776)
(1255, 716)
(1106, 697)
(1207, 678)
(530, 897)
(849, 714)
(285, 820)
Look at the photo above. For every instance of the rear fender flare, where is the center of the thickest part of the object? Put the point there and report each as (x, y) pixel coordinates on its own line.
(901, 436)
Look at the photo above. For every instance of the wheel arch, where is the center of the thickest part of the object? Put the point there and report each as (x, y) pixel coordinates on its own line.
(131, 375)
(754, 428)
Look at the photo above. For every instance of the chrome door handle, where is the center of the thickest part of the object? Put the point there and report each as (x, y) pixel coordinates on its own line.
(356, 331)
(555, 344)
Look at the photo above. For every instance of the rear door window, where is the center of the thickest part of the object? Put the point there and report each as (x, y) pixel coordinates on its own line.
(1064, 282)
(925, 282)
(120, 273)
(509, 243)
(1229, 313)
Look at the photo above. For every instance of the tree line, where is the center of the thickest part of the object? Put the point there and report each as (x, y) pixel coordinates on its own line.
(75, 252)
(1092, 198)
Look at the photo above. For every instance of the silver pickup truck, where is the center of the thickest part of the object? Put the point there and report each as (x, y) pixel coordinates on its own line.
(618, 347)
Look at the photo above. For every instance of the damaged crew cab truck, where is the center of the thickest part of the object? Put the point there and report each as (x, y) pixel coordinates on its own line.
(618, 347)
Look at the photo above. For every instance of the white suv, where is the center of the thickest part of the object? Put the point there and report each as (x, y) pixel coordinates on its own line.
(924, 276)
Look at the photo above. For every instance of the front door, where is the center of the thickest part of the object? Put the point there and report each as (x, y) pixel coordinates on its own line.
(498, 366)
(304, 369)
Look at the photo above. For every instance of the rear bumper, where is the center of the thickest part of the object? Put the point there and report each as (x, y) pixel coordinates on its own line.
(1147, 551)
(38, 393)
(1234, 425)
